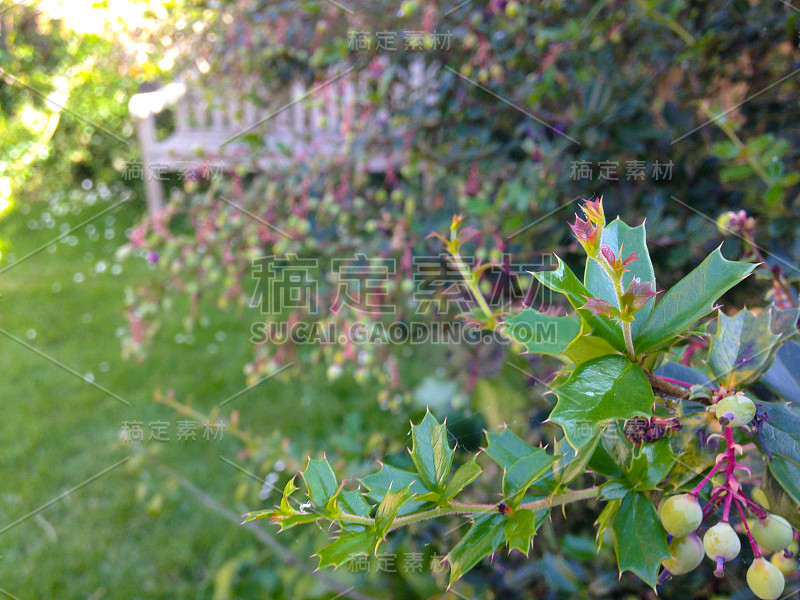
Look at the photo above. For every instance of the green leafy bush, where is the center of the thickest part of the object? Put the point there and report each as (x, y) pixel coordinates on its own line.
(534, 105)
(642, 433)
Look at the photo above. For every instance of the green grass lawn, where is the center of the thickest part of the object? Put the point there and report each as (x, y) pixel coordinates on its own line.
(131, 533)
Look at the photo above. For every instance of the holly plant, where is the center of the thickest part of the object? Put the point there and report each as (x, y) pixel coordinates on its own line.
(721, 464)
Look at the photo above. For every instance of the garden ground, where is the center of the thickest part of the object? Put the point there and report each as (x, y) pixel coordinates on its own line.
(132, 531)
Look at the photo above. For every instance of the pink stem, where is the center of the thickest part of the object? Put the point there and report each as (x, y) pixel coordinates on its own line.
(753, 545)
(730, 481)
(752, 505)
(716, 493)
(675, 381)
(705, 480)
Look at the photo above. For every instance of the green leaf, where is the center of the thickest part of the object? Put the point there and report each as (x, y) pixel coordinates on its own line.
(616, 489)
(781, 432)
(299, 518)
(464, 475)
(543, 334)
(506, 448)
(572, 463)
(321, 481)
(599, 391)
(289, 489)
(651, 465)
(389, 478)
(690, 299)
(286, 515)
(484, 537)
(789, 179)
(387, 510)
(774, 195)
(612, 454)
(744, 346)
(353, 503)
(431, 452)
(781, 484)
(520, 529)
(605, 519)
(521, 475)
(586, 347)
(346, 547)
(735, 172)
(256, 515)
(639, 539)
(621, 238)
(725, 150)
(563, 280)
(783, 377)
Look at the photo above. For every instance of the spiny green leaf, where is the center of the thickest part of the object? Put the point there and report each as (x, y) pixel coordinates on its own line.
(783, 322)
(389, 477)
(346, 547)
(389, 507)
(353, 503)
(563, 280)
(616, 489)
(598, 391)
(300, 518)
(321, 481)
(464, 475)
(625, 240)
(639, 539)
(431, 452)
(289, 489)
(647, 468)
(521, 475)
(572, 463)
(259, 514)
(651, 465)
(744, 346)
(612, 453)
(586, 347)
(605, 519)
(543, 334)
(690, 299)
(505, 448)
(520, 529)
(286, 515)
(484, 537)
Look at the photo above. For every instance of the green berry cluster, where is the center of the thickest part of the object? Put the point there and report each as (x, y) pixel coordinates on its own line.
(681, 515)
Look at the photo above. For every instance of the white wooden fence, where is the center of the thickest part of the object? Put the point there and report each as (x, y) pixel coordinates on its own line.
(294, 124)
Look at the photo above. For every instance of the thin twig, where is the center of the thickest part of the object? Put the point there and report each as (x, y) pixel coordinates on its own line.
(666, 388)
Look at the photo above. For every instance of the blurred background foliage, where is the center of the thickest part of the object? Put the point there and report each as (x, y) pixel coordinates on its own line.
(526, 95)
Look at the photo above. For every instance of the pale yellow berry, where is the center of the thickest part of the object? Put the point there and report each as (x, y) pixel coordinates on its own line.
(686, 554)
(721, 541)
(772, 533)
(681, 514)
(765, 579)
(787, 566)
